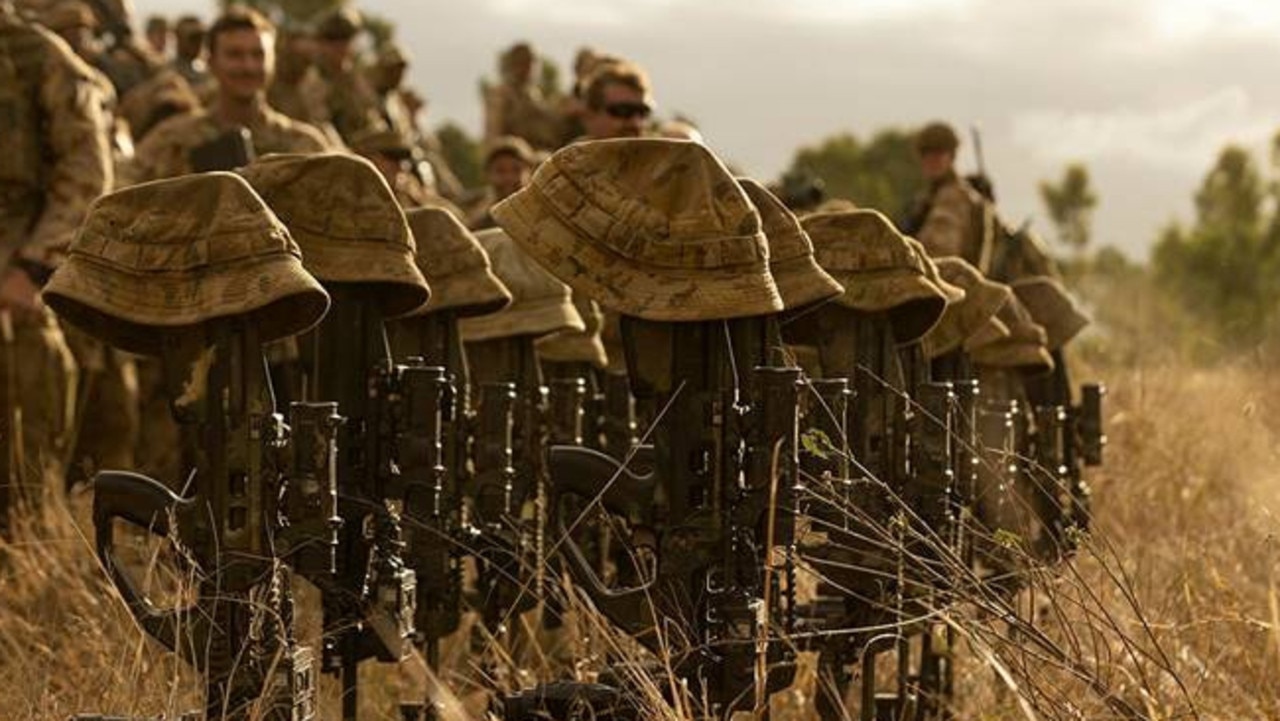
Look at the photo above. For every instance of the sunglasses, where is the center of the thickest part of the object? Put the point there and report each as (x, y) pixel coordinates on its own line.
(627, 111)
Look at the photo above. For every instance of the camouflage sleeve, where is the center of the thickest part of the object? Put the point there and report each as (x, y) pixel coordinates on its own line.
(80, 169)
(947, 224)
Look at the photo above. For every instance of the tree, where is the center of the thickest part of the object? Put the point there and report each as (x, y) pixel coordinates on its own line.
(1070, 203)
(882, 174)
(1225, 270)
(462, 153)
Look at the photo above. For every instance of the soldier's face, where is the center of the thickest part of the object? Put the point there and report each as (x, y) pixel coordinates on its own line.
(242, 62)
(507, 174)
(935, 164)
(623, 114)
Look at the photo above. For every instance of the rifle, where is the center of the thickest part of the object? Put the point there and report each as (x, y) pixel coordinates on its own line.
(511, 471)
(369, 606)
(725, 466)
(264, 497)
(434, 474)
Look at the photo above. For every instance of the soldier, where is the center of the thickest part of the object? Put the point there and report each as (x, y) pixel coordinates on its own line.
(293, 59)
(241, 60)
(516, 105)
(507, 166)
(188, 48)
(396, 160)
(157, 35)
(950, 218)
(618, 101)
(57, 161)
(399, 108)
(334, 89)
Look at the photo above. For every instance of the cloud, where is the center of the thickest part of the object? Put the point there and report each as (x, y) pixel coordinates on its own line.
(1182, 137)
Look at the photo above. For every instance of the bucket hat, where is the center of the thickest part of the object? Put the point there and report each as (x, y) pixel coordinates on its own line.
(1052, 307)
(649, 227)
(540, 304)
(881, 272)
(1025, 348)
(455, 264)
(982, 300)
(800, 280)
(347, 222)
(177, 253)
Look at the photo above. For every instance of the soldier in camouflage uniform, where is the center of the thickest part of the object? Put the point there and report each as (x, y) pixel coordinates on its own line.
(950, 218)
(335, 90)
(241, 59)
(399, 107)
(617, 101)
(53, 139)
(507, 166)
(516, 106)
(189, 36)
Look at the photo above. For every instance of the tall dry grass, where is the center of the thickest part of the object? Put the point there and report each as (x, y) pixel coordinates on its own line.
(1170, 610)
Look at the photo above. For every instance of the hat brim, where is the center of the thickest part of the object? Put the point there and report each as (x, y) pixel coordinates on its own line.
(1051, 306)
(622, 284)
(126, 310)
(802, 282)
(962, 320)
(402, 287)
(528, 317)
(573, 347)
(1030, 358)
(468, 294)
(913, 303)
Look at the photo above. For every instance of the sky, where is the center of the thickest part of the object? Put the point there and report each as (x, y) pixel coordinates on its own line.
(1144, 92)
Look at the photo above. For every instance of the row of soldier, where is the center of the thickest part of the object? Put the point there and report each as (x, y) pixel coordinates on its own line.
(680, 255)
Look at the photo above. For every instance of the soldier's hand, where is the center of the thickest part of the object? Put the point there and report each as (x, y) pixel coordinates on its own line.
(19, 293)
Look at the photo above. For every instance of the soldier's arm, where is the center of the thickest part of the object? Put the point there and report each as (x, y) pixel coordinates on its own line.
(80, 168)
(946, 225)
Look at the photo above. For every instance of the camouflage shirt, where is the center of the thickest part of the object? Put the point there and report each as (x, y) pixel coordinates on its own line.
(53, 139)
(958, 222)
(166, 151)
(343, 99)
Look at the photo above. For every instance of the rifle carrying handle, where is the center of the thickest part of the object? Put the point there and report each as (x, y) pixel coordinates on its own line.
(146, 504)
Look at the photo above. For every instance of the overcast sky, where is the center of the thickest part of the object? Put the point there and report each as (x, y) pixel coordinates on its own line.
(1145, 92)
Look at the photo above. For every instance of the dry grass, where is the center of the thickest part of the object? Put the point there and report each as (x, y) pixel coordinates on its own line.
(1170, 611)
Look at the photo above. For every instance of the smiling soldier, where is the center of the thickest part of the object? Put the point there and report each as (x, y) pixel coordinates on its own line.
(241, 61)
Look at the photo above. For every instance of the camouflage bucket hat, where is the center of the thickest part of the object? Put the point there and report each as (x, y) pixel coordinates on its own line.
(990, 332)
(177, 253)
(880, 270)
(1051, 306)
(1023, 349)
(540, 304)
(649, 227)
(800, 280)
(982, 300)
(578, 346)
(455, 265)
(953, 293)
(347, 222)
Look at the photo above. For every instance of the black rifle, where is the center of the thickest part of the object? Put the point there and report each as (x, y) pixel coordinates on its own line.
(369, 607)
(263, 497)
(510, 492)
(719, 505)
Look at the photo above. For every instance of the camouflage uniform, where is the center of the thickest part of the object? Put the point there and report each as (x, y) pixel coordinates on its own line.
(521, 111)
(53, 138)
(166, 151)
(958, 222)
(343, 99)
